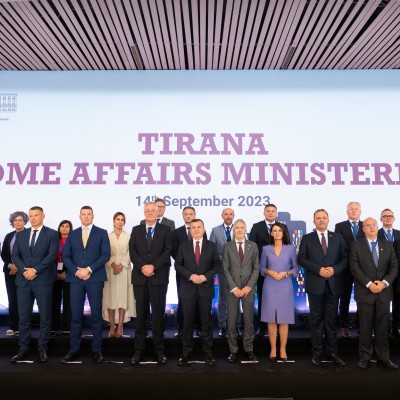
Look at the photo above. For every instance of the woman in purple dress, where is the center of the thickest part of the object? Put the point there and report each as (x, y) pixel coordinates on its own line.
(278, 264)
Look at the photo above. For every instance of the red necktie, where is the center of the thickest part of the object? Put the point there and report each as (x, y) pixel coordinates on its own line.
(241, 255)
(197, 252)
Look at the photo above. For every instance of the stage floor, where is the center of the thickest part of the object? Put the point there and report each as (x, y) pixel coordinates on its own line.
(297, 379)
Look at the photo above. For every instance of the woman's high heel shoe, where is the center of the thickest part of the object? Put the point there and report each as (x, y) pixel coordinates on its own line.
(273, 359)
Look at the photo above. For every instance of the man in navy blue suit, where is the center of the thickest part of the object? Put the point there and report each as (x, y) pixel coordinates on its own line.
(85, 254)
(323, 254)
(34, 254)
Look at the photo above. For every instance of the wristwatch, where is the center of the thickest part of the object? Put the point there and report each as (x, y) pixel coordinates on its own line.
(287, 274)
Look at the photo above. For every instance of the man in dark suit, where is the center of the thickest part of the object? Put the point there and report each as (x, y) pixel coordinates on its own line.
(241, 265)
(323, 255)
(85, 254)
(35, 253)
(387, 232)
(374, 266)
(150, 251)
(161, 207)
(197, 262)
(260, 234)
(351, 230)
(182, 234)
(160, 215)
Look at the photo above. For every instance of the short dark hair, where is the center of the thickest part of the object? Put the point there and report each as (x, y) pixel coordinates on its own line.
(36, 208)
(197, 220)
(87, 208)
(160, 200)
(285, 236)
(18, 214)
(321, 210)
(64, 221)
(188, 208)
(271, 205)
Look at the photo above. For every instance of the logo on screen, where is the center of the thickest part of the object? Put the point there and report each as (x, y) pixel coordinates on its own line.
(8, 103)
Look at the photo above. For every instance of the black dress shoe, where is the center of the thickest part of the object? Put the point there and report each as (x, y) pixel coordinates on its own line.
(388, 364)
(251, 356)
(178, 333)
(42, 356)
(71, 356)
(337, 360)
(161, 358)
(273, 359)
(363, 364)
(183, 360)
(232, 357)
(222, 332)
(316, 361)
(210, 359)
(20, 356)
(98, 357)
(260, 332)
(137, 356)
(239, 332)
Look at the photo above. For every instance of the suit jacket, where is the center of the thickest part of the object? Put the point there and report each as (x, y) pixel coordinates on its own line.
(395, 232)
(396, 246)
(95, 255)
(240, 274)
(312, 258)
(159, 254)
(185, 266)
(42, 259)
(259, 234)
(164, 221)
(180, 235)
(344, 228)
(363, 268)
(218, 236)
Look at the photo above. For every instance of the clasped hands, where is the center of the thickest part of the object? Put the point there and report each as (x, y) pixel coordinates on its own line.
(117, 268)
(241, 292)
(29, 274)
(83, 273)
(197, 279)
(277, 275)
(148, 270)
(376, 286)
(326, 272)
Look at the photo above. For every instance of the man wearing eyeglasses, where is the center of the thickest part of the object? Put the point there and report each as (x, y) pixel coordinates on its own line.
(374, 266)
(392, 235)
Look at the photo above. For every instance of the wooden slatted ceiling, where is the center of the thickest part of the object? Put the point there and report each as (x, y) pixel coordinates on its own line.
(199, 34)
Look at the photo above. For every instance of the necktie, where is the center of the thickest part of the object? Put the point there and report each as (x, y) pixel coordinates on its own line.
(85, 236)
(149, 238)
(228, 233)
(269, 228)
(323, 244)
(188, 232)
(241, 255)
(197, 252)
(33, 240)
(374, 254)
(389, 234)
(354, 228)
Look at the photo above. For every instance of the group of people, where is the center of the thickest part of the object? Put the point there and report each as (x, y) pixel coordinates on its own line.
(126, 275)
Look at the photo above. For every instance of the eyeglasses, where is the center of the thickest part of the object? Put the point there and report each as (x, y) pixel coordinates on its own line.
(371, 225)
(387, 216)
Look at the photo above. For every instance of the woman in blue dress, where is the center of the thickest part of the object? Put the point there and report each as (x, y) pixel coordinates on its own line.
(278, 264)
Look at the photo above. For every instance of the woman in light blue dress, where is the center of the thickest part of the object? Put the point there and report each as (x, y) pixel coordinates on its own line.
(278, 264)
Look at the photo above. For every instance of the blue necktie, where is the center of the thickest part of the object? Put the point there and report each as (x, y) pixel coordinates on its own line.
(149, 238)
(354, 228)
(374, 254)
(228, 233)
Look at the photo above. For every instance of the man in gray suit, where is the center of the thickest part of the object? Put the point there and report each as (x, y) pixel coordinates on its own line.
(221, 235)
(240, 265)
